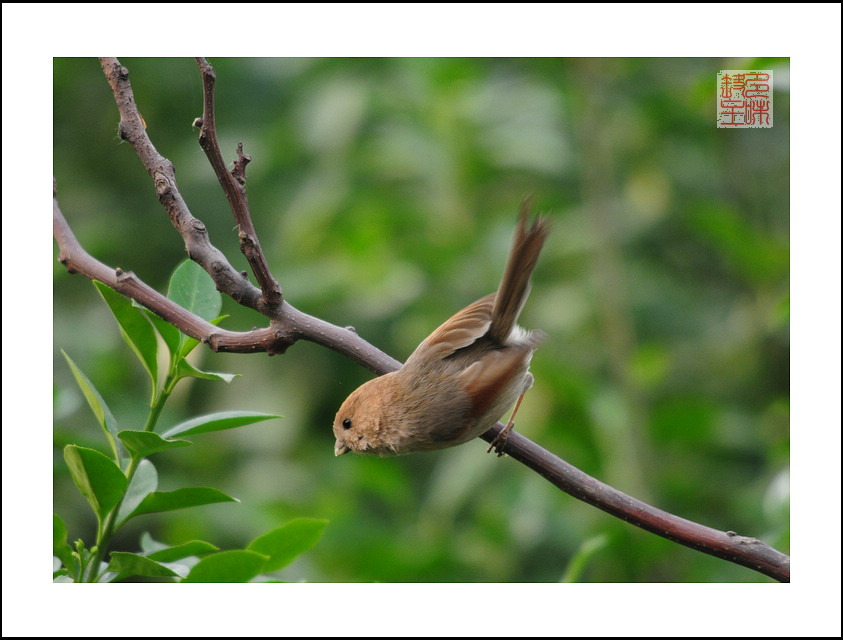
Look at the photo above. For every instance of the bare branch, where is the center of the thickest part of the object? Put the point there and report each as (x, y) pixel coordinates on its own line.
(227, 279)
(234, 186)
(728, 545)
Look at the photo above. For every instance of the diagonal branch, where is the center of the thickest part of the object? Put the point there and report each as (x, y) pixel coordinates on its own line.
(287, 325)
(728, 545)
(234, 186)
(228, 280)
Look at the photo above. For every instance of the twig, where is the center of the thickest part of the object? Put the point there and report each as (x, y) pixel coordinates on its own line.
(287, 325)
(234, 186)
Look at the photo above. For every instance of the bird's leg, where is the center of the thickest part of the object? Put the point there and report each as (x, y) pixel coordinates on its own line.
(500, 440)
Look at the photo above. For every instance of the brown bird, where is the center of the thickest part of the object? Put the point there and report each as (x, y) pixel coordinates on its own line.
(461, 379)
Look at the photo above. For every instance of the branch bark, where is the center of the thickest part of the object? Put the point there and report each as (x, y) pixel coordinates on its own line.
(288, 325)
(234, 186)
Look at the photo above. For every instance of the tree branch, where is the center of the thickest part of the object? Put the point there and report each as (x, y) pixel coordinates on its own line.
(728, 545)
(287, 325)
(234, 186)
(228, 280)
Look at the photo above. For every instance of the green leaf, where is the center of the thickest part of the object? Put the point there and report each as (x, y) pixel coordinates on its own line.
(130, 564)
(145, 443)
(97, 477)
(188, 370)
(101, 411)
(217, 422)
(59, 535)
(170, 334)
(61, 549)
(588, 549)
(148, 544)
(60, 573)
(228, 566)
(144, 482)
(285, 543)
(188, 288)
(136, 331)
(188, 343)
(192, 548)
(192, 288)
(180, 499)
(179, 344)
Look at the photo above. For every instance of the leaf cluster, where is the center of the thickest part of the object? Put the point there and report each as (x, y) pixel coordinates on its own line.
(123, 484)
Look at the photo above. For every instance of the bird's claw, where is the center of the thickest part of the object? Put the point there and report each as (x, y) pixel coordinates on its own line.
(499, 442)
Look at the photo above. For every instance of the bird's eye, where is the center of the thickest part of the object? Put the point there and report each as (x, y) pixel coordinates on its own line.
(346, 424)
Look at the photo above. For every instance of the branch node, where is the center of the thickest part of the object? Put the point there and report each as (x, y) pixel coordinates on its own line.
(162, 183)
(239, 170)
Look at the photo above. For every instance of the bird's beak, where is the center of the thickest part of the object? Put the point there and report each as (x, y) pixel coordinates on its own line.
(340, 448)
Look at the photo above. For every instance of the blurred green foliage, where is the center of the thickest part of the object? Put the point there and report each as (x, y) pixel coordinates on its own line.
(384, 192)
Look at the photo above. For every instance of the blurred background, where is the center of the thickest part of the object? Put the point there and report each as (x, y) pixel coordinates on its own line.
(384, 193)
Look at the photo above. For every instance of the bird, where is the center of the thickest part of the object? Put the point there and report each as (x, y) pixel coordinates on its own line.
(462, 378)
